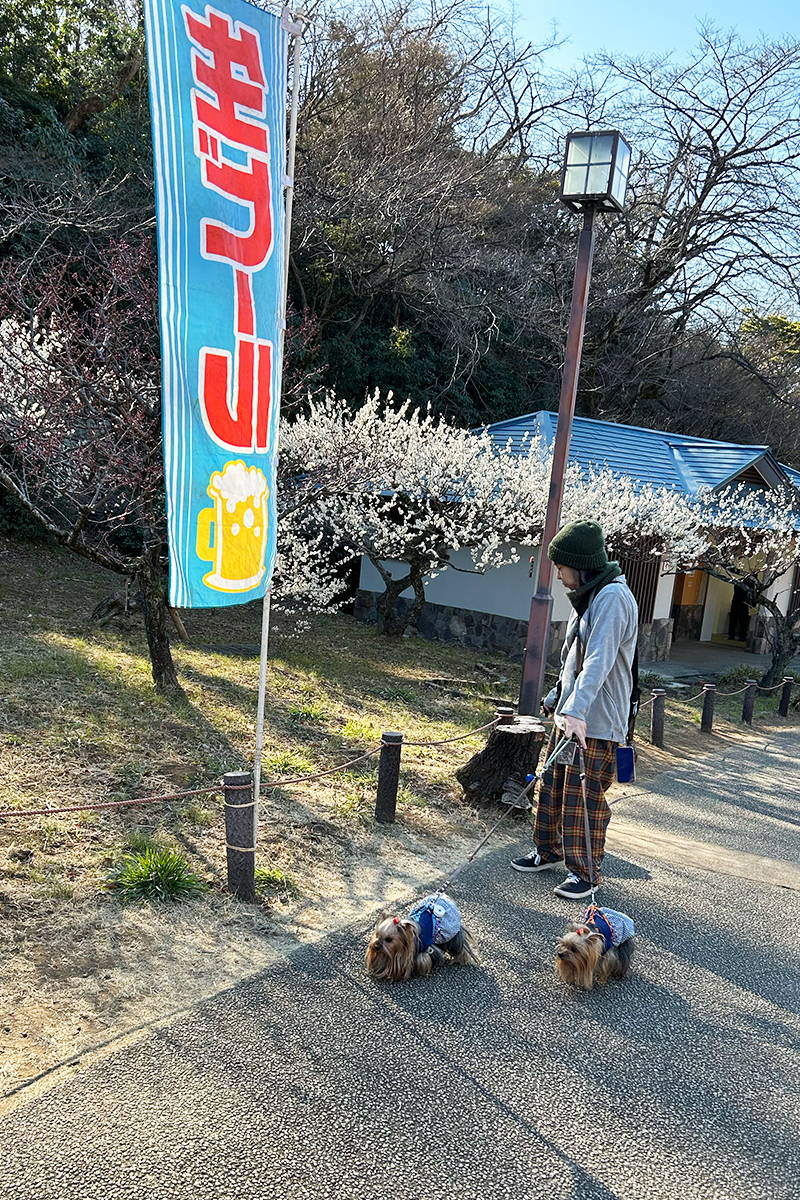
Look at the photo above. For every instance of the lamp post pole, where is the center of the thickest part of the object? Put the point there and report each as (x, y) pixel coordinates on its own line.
(542, 601)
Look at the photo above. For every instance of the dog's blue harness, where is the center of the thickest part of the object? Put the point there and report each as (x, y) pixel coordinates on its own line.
(613, 927)
(437, 919)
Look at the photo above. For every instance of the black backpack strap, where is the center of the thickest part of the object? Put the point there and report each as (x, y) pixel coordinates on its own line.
(636, 694)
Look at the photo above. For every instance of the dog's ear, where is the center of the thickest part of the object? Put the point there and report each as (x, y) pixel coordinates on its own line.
(574, 926)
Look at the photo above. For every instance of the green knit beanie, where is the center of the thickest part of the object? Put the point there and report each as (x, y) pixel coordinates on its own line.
(579, 545)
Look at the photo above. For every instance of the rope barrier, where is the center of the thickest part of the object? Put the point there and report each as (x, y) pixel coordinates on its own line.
(460, 738)
(43, 812)
(266, 787)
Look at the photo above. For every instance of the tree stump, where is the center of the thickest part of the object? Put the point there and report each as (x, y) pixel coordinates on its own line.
(511, 753)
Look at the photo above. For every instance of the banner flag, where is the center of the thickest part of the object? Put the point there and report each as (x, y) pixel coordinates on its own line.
(217, 95)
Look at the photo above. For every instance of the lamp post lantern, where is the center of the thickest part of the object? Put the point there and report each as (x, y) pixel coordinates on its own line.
(594, 179)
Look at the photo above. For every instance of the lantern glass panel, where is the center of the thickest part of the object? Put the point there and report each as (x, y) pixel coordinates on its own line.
(578, 151)
(602, 150)
(597, 181)
(620, 181)
(575, 180)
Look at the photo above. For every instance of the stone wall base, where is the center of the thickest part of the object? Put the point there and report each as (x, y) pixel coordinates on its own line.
(506, 635)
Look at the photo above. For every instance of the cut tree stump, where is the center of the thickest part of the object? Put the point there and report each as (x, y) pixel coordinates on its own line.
(511, 753)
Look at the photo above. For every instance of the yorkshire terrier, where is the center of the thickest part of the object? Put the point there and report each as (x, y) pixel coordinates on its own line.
(430, 935)
(596, 949)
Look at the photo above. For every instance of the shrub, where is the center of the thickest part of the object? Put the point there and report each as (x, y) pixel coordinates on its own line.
(155, 874)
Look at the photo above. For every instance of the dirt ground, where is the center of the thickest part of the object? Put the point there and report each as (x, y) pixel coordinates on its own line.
(85, 977)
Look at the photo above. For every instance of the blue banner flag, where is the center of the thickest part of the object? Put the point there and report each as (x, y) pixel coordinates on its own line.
(217, 96)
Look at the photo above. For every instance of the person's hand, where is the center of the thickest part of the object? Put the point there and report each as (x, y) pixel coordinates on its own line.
(575, 727)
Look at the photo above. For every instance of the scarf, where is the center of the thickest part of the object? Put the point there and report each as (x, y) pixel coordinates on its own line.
(581, 597)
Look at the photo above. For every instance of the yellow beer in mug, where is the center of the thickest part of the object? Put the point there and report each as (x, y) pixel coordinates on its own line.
(233, 534)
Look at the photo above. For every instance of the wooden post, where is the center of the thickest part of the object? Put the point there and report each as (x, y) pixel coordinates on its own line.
(240, 834)
(707, 719)
(505, 715)
(786, 695)
(749, 701)
(657, 718)
(388, 778)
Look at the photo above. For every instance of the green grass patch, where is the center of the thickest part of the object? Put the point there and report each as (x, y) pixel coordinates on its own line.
(157, 875)
(357, 730)
(287, 762)
(310, 713)
(272, 882)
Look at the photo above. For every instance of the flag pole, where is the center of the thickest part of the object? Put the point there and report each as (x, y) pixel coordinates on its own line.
(293, 26)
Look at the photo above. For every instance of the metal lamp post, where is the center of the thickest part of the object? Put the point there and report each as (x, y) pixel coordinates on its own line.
(594, 179)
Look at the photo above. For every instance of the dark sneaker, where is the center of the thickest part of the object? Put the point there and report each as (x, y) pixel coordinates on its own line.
(573, 888)
(535, 862)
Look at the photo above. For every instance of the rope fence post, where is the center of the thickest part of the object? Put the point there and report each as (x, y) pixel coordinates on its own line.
(707, 719)
(657, 718)
(240, 834)
(749, 701)
(505, 715)
(388, 778)
(786, 695)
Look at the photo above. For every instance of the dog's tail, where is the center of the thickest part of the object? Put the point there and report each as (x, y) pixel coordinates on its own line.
(463, 949)
(624, 955)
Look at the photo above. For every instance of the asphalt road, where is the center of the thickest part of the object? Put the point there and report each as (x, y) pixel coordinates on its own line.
(309, 1082)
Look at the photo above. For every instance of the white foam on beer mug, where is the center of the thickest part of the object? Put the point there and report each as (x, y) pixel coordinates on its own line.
(238, 483)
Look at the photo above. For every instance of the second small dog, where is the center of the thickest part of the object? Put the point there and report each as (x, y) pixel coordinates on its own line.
(596, 949)
(430, 935)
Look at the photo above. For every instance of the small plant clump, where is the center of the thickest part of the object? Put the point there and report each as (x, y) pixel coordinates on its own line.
(155, 874)
(271, 881)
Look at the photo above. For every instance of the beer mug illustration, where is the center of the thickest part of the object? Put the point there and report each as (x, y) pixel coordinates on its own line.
(233, 534)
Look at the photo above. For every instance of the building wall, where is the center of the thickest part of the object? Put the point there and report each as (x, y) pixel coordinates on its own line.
(491, 611)
(663, 605)
(503, 591)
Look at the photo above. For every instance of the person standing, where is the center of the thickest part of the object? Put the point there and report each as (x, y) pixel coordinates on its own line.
(591, 703)
(739, 617)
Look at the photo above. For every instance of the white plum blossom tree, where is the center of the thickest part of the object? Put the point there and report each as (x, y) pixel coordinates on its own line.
(400, 485)
(752, 538)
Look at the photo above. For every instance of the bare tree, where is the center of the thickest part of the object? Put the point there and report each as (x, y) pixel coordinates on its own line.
(80, 423)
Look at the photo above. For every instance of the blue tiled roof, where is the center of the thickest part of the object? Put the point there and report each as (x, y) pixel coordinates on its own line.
(688, 464)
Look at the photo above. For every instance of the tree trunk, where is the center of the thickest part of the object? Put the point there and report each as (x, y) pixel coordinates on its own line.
(785, 644)
(389, 622)
(511, 753)
(154, 604)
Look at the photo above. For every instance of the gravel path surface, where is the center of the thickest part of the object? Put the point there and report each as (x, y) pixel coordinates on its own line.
(309, 1082)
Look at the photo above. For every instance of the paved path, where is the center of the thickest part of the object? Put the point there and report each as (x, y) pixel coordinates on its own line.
(691, 661)
(308, 1082)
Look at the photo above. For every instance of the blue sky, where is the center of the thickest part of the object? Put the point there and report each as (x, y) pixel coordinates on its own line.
(645, 27)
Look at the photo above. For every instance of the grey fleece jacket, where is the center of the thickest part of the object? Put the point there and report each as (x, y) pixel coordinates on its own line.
(601, 694)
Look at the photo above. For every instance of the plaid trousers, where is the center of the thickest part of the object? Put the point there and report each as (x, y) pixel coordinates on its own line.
(559, 830)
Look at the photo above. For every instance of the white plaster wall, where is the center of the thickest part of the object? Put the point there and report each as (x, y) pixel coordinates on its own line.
(717, 608)
(781, 590)
(505, 591)
(664, 591)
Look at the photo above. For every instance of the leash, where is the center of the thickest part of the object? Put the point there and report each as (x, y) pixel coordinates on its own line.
(535, 778)
(586, 829)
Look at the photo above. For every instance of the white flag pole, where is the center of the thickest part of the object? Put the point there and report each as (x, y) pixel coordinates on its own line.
(293, 26)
